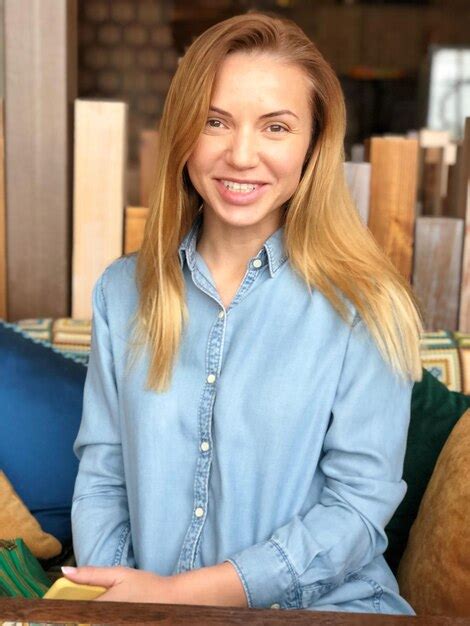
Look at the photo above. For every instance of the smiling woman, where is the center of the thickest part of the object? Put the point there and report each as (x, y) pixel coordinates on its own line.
(252, 154)
(247, 398)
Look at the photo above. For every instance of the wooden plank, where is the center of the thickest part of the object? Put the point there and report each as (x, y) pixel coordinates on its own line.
(148, 150)
(3, 243)
(429, 138)
(2, 51)
(437, 270)
(463, 173)
(32, 611)
(358, 179)
(432, 176)
(136, 218)
(394, 164)
(450, 204)
(99, 194)
(40, 86)
(464, 316)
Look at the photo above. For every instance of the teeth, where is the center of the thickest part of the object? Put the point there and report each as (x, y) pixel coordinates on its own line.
(240, 187)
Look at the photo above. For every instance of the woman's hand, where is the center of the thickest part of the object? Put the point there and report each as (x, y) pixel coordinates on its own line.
(216, 585)
(124, 584)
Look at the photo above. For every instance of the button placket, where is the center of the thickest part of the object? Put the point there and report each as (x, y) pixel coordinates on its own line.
(200, 499)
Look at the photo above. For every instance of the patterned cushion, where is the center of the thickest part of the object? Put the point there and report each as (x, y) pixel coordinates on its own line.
(69, 336)
(446, 355)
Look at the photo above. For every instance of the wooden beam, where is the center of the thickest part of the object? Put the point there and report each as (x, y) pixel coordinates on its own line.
(148, 162)
(3, 251)
(99, 195)
(437, 270)
(433, 173)
(464, 199)
(136, 218)
(463, 173)
(454, 155)
(40, 86)
(394, 166)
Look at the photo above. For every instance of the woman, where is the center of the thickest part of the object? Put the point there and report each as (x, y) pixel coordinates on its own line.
(249, 451)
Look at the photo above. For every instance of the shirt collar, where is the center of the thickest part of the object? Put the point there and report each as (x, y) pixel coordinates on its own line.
(272, 250)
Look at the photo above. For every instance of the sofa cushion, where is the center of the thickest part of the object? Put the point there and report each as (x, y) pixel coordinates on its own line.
(434, 412)
(434, 573)
(41, 398)
(17, 522)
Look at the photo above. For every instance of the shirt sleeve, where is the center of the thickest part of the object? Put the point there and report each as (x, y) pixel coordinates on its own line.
(363, 454)
(100, 517)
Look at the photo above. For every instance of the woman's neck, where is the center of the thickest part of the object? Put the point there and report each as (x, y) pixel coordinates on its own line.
(231, 248)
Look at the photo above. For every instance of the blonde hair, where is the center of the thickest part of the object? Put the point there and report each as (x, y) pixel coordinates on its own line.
(325, 241)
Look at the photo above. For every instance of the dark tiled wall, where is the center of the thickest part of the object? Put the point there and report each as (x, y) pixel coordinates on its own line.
(126, 52)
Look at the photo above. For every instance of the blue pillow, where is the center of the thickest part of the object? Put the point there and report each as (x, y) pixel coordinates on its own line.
(41, 393)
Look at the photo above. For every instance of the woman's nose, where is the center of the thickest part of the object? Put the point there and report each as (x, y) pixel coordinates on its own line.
(243, 150)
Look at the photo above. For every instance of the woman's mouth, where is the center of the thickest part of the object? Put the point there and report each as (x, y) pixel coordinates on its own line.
(240, 193)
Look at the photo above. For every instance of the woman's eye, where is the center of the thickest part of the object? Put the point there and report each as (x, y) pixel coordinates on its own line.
(214, 123)
(277, 128)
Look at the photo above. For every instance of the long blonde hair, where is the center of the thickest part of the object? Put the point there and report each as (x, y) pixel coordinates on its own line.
(325, 241)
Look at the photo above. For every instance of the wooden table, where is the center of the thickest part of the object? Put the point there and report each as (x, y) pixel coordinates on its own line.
(60, 611)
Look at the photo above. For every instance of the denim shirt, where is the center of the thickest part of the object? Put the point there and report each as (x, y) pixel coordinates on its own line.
(278, 447)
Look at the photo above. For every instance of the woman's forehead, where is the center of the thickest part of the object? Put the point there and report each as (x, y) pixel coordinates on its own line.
(260, 80)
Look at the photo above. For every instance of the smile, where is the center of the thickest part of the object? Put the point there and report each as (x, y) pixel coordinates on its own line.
(239, 187)
(240, 193)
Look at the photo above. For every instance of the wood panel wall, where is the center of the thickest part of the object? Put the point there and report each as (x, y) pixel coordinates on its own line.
(40, 86)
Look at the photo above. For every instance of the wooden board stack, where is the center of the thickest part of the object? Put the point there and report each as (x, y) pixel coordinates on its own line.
(99, 195)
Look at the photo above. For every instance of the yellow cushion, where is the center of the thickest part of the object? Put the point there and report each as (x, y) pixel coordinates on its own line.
(434, 573)
(17, 521)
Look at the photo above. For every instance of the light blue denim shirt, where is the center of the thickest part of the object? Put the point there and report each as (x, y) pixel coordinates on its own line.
(279, 446)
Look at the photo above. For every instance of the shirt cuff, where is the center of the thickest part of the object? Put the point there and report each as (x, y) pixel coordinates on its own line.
(267, 576)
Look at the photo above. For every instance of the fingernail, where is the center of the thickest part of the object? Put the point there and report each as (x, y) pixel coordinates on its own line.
(68, 570)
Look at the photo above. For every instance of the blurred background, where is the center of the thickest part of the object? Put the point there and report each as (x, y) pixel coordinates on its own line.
(382, 52)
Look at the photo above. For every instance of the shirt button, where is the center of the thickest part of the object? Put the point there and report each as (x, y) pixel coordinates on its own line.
(275, 606)
(221, 314)
(257, 263)
(205, 446)
(199, 512)
(211, 378)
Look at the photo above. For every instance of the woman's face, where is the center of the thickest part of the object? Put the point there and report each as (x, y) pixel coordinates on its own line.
(248, 159)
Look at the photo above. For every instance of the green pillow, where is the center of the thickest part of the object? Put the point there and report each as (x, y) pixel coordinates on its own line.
(434, 412)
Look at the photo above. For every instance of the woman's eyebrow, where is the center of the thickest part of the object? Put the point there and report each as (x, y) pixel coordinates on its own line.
(273, 114)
